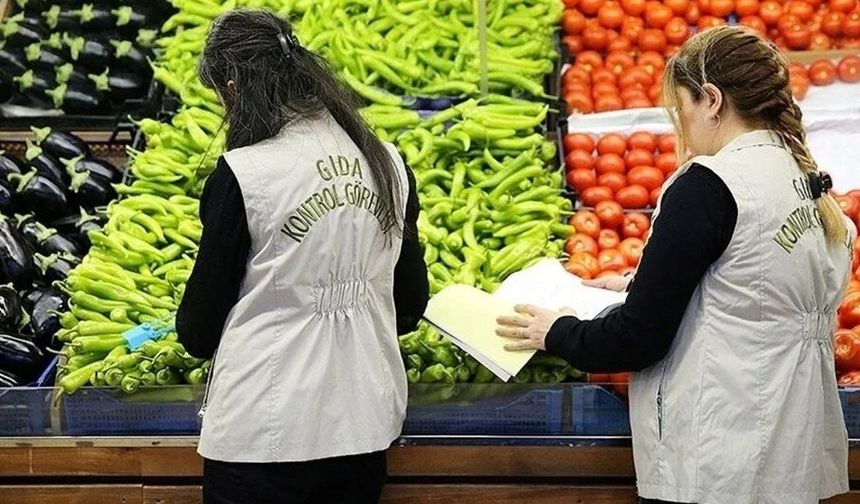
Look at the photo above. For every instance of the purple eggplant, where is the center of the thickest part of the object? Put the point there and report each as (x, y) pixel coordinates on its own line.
(78, 99)
(76, 227)
(131, 19)
(35, 83)
(97, 167)
(40, 57)
(46, 164)
(29, 298)
(44, 318)
(30, 228)
(49, 241)
(21, 30)
(11, 164)
(120, 85)
(68, 74)
(16, 256)
(11, 309)
(7, 90)
(12, 60)
(40, 195)
(19, 355)
(90, 190)
(55, 267)
(61, 19)
(94, 55)
(60, 144)
(146, 38)
(7, 199)
(94, 18)
(130, 57)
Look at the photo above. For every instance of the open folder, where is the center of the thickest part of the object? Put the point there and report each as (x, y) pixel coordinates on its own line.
(468, 315)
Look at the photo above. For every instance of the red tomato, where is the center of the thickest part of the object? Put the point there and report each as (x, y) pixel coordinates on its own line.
(849, 310)
(618, 62)
(594, 195)
(608, 102)
(799, 86)
(610, 213)
(666, 143)
(613, 180)
(581, 179)
(572, 22)
(648, 177)
(603, 75)
(843, 6)
(608, 239)
(677, 30)
(611, 143)
(846, 349)
(620, 43)
(608, 273)
(820, 42)
(722, 8)
(578, 269)
(831, 25)
(610, 163)
(798, 69)
(652, 62)
(800, 9)
(633, 7)
(851, 379)
(588, 260)
(635, 77)
(632, 250)
(638, 157)
(706, 22)
(747, 7)
(797, 37)
(822, 73)
(786, 22)
(579, 102)
(853, 285)
(589, 60)
(756, 23)
(654, 93)
(849, 69)
(574, 43)
(579, 159)
(658, 17)
(638, 101)
(849, 206)
(652, 39)
(635, 225)
(595, 37)
(679, 7)
(581, 141)
(581, 242)
(771, 11)
(590, 7)
(634, 196)
(632, 27)
(610, 15)
(693, 15)
(611, 259)
(586, 222)
(642, 140)
(655, 197)
(666, 163)
(577, 73)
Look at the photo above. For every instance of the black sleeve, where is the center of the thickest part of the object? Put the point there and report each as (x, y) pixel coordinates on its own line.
(213, 287)
(693, 229)
(411, 287)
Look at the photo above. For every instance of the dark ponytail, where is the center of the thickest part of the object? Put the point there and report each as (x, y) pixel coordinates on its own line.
(276, 81)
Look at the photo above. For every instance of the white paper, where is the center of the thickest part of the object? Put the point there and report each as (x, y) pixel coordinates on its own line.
(548, 285)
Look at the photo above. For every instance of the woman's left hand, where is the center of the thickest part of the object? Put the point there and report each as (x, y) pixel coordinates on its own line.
(531, 326)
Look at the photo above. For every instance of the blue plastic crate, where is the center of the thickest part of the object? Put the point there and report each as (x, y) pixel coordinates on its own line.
(24, 411)
(598, 412)
(850, 398)
(519, 412)
(166, 410)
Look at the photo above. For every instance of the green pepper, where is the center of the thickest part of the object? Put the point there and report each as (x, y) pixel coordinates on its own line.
(414, 361)
(130, 382)
(88, 344)
(413, 375)
(433, 374)
(177, 238)
(443, 354)
(194, 376)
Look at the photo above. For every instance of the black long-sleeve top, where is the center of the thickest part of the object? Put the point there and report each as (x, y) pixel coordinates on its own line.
(213, 288)
(695, 225)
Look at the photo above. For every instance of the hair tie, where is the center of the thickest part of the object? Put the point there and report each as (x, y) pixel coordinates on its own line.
(286, 47)
(820, 183)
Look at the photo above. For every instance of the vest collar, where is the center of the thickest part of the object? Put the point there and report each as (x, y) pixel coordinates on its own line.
(752, 139)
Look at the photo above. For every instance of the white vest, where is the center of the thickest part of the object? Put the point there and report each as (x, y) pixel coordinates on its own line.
(308, 366)
(744, 408)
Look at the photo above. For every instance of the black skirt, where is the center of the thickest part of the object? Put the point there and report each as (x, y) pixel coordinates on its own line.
(356, 479)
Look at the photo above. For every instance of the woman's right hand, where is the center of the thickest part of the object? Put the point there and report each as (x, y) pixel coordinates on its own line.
(613, 283)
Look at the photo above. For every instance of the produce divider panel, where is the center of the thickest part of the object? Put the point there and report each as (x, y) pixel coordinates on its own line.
(77, 65)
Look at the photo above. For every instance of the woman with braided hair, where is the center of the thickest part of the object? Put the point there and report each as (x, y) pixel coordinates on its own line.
(729, 319)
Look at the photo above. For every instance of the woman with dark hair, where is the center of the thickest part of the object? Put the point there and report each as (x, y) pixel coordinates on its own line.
(730, 316)
(308, 268)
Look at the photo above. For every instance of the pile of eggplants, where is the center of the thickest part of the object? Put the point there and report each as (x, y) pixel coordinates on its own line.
(83, 58)
(49, 201)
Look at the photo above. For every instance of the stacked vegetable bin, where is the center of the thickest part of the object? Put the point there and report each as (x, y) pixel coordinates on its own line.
(470, 100)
